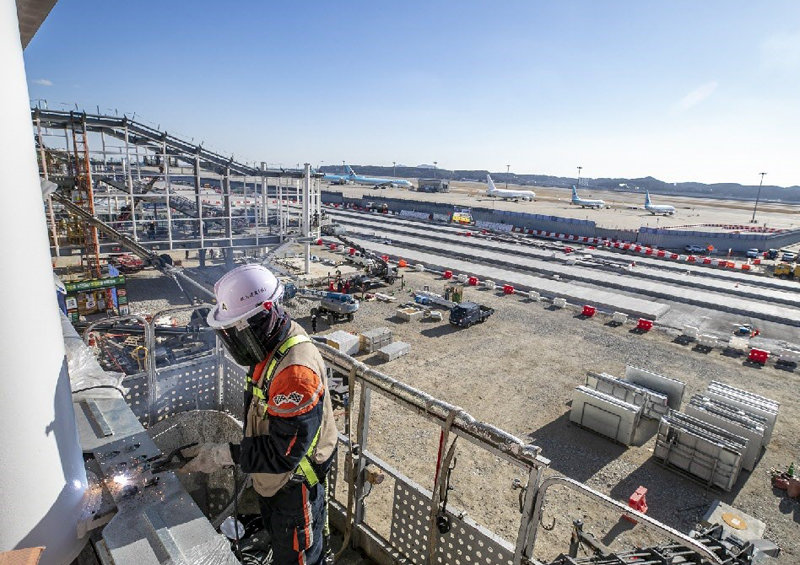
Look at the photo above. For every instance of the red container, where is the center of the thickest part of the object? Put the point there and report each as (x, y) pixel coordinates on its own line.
(473, 281)
(644, 325)
(588, 311)
(352, 251)
(661, 253)
(332, 246)
(508, 289)
(448, 274)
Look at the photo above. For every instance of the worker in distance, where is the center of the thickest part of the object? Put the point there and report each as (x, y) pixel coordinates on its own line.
(289, 430)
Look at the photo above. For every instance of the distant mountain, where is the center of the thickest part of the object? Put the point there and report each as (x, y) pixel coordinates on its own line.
(731, 191)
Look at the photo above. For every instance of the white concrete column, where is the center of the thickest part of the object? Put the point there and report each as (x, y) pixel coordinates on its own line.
(42, 478)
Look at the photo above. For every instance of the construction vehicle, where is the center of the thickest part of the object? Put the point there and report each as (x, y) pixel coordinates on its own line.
(374, 264)
(462, 216)
(786, 271)
(336, 306)
(468, 313)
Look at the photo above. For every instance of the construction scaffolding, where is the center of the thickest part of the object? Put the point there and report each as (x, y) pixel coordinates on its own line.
(163, 192)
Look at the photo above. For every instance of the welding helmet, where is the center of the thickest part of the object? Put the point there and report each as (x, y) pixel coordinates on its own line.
(248, 316)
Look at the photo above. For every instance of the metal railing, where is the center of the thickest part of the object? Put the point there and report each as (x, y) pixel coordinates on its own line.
(214, 381)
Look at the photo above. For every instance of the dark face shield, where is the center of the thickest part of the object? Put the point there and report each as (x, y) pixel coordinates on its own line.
(251, 342)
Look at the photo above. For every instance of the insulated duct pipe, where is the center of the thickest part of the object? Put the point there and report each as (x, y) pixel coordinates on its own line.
(42, 478)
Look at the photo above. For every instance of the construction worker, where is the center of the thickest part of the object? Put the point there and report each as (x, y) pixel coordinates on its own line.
(289, 430)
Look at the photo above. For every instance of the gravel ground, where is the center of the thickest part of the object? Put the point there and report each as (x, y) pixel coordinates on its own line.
(517, 371)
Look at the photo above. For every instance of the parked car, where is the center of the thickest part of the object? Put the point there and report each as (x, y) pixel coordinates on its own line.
(788, 256)
(469, 313)
(753, 253)
(695, 248)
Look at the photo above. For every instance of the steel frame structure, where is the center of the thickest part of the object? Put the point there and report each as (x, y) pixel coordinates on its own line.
(257, 206)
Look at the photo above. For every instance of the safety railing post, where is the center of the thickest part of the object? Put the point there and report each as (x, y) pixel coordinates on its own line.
(528, 521)
(152, 380)
(361, 438)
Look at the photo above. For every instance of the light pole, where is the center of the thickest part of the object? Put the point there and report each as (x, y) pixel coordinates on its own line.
(758, 195)
(508, 172)
(394, 168)
(344, 169)
(435, 170)
(579, 177)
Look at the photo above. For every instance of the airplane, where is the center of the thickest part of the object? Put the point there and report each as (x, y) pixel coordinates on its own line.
(375, 182)
(657, 208)
(505, 194)
(336, 179)
(578, 201)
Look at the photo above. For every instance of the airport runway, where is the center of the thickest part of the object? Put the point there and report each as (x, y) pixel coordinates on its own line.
(626, 210)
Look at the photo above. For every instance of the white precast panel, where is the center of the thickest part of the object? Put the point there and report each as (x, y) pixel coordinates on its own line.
(42, 478)
(605, 414)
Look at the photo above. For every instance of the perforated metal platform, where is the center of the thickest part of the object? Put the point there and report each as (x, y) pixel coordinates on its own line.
(465, 543)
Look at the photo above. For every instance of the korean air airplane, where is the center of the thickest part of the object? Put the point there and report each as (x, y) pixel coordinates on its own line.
(654, 209)
(495, 192)
(578, 201)
(375, 182)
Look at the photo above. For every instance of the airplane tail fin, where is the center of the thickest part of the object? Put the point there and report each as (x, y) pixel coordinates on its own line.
(492, 187)
(574, 192)
(647, 198)
(350, 170)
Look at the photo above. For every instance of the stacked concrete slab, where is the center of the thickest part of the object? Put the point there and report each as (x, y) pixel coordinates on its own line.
(728, 417)
(673, 389)
(722, 432)
(748, 402)
(605, 414)
(709, 453)
(393, 351)
(374, 339)
(653, 403)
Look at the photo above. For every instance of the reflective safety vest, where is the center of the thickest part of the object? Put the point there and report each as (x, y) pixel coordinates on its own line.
(256, 387)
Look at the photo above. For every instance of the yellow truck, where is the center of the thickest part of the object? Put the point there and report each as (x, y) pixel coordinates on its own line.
(787, 271)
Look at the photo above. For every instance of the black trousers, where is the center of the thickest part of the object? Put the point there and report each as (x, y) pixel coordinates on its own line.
(294, 518)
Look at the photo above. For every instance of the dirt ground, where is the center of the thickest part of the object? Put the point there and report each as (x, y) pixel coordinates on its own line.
(517, 371)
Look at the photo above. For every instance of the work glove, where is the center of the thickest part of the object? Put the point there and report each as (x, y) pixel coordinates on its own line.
(207, 458)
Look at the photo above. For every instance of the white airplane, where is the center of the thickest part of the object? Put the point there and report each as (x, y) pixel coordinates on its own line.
(657, 208)
(578, 201)
(506, 194)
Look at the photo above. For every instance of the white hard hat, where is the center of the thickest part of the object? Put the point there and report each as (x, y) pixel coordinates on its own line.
(242, 293)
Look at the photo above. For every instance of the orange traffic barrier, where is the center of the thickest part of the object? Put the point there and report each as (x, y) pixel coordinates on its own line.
(759, 356)
(644, 325)
(638, 501)
(402, 263)
(588, 311)
(745, 267)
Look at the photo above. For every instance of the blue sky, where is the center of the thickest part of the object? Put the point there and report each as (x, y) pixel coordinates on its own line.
(680, 90)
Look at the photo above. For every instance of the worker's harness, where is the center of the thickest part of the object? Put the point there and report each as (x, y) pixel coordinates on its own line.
(304, 469)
